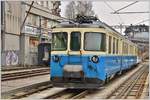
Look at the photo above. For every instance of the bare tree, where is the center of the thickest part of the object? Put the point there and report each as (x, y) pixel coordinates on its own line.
(79, 7)
(70, 10)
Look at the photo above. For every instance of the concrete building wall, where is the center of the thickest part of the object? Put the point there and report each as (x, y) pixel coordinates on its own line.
(20, 46)
(142, 35)
(11, 33)
(13, 17)
(11, 42)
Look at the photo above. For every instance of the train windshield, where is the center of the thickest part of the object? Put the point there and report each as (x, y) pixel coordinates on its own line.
(75, 41)
(59, 41)
(94, 41)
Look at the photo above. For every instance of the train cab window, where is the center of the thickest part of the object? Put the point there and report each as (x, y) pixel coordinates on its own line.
(75, 41)
(59, 41)
(94, 41)
(110, 40)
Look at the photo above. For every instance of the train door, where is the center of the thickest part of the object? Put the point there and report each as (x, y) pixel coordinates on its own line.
(44, 54)
(75, 46)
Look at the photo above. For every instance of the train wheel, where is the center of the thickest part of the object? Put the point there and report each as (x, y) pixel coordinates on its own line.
(120, 72)
(107, 80)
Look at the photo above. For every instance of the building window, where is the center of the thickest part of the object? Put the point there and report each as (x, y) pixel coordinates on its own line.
(42, 3)
(29, 19)
(47, 4)
(44, 22)
(49, 24)
(33, 20)
(2, 11)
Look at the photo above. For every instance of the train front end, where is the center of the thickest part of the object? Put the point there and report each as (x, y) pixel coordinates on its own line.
(74, 58)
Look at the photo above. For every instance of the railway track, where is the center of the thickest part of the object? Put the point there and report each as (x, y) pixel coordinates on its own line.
(69, 94)
(133, 87)
(26, 91)
(15, 68)
(24, 74)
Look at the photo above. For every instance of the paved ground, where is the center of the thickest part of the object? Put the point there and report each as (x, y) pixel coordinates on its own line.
(14, 84)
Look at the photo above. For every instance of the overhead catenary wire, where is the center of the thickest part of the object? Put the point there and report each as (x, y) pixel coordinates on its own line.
(121, 21)
(142, 12)
(125, 7)
(143, 21)
(114, 11)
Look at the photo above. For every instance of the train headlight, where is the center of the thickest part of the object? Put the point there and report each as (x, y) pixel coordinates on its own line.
(56, 58)
(95, 59)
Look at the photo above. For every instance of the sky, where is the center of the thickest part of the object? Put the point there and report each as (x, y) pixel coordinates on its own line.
(104, 8)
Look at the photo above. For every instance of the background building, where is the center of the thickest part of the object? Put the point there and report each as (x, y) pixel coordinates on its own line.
(19, 46)
(139, 34)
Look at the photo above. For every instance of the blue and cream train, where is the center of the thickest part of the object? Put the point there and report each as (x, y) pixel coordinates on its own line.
(85, 55)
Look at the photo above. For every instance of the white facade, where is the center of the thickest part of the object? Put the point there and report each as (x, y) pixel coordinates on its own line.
(13, 17)
(20, 46)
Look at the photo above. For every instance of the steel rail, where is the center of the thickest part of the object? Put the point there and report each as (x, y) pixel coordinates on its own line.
(27, 90)
(142, 83)
(133, 83)
(24, 74)
(56, 95)
(68, 94)
(80, 95)
(124, 89)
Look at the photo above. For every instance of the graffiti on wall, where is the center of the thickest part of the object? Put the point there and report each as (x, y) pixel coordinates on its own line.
(11, 58)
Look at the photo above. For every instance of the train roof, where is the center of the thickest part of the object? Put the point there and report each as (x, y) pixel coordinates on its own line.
(89, 22)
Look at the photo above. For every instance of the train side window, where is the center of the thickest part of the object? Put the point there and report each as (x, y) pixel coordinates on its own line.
(94, 41)
(127, 49)
(75, 42)
(113, 45)
(110, 40)
(130, 49)
(117, 46)
(124, 48)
